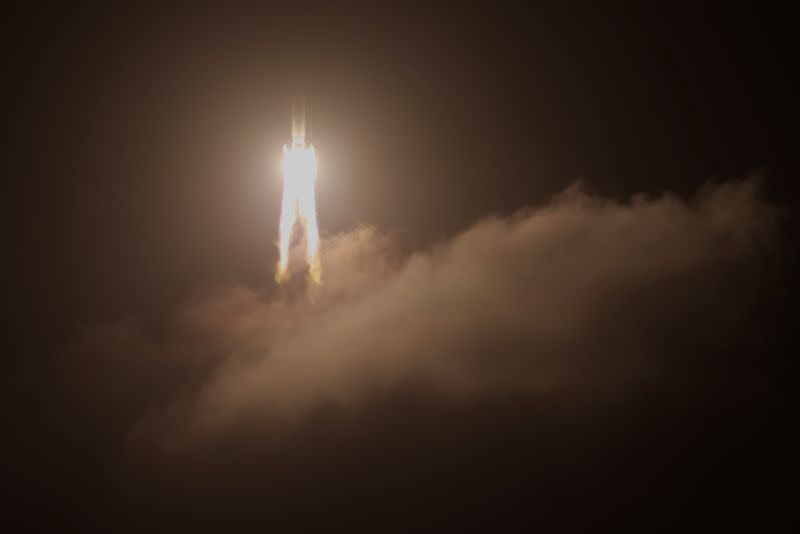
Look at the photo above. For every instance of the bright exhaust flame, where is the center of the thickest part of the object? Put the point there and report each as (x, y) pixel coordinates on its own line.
(299, 205)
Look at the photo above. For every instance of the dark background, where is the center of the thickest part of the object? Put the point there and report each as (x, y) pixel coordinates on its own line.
(148, 170)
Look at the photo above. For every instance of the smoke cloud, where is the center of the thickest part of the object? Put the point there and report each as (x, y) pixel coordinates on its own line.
(583, 296)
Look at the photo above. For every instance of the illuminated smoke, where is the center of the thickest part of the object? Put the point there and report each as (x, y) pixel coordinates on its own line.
(299, 205)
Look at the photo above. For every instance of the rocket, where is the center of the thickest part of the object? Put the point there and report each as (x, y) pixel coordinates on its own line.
(301, 122)
(298, 203)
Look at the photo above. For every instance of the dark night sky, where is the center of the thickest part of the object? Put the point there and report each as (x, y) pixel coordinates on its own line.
(147, 173)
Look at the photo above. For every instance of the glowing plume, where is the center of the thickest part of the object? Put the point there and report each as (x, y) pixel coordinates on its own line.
(299, 205)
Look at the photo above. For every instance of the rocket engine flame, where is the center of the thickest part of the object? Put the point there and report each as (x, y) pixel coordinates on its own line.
(299, 205)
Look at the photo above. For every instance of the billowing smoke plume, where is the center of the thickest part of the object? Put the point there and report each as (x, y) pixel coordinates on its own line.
(583, 296)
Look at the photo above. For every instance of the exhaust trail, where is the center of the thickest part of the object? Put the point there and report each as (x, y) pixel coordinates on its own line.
(298, 204)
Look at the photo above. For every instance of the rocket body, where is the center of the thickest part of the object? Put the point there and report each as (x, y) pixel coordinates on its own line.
(299, 122)
(299, 204)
